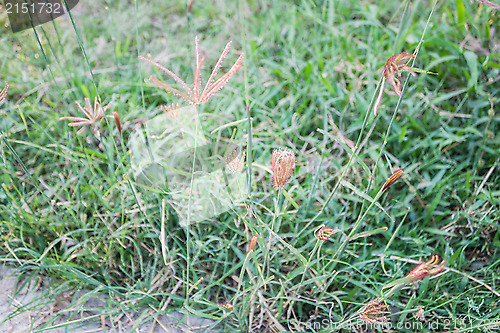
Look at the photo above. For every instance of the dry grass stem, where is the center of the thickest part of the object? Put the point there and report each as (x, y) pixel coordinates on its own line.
(379, 98)
(489, 3)
(194, 95)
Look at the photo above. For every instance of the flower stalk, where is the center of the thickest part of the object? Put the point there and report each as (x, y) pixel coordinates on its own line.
(431, 267)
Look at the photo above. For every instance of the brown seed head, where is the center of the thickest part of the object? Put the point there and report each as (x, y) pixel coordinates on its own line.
(118, 123)
(373, 313)
(394, 66)
(430, 267)
(324, 233)
(282, 164)
(92, 114)
(253, 243)
(196, 95)
(392, 179)
(3, 93)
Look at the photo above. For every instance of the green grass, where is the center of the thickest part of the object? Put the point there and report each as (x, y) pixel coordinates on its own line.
(71, 208)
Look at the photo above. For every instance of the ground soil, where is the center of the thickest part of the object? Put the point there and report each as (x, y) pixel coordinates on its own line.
(24, 308)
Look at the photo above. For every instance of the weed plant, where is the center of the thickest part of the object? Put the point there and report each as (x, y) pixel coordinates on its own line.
(372, 192)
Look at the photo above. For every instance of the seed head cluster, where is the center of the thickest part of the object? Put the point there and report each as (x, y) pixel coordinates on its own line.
(282, 164)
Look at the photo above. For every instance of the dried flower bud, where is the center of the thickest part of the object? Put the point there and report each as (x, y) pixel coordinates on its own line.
(118, 123)
(373, 313)
(324, 233)
(253, 243)
(392, 179)
(431, 267)
(282, 163)
(3, 93)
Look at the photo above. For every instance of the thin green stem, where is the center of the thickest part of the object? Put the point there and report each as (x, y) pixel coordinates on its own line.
(349, 162)
(80, 43)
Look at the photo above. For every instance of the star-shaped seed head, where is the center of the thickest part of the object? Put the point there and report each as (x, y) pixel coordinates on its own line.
(373, 313)
(394, 66)
(92, 114)
(194, 94)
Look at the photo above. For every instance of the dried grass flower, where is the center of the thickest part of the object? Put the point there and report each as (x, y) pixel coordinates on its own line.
(235, 163)
(171, 110)
(118, 122)
(373, 313)
(393, 74)
(394, 66)
(228, 306)
(3, 94)
(253, 243)
(430, 267)
(324, 233)
(392, 179)
(92, 114)
(195, 95)
(282, 164)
